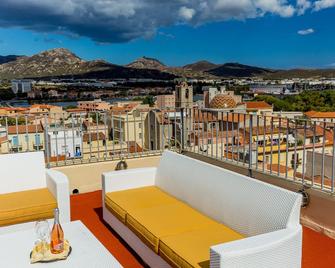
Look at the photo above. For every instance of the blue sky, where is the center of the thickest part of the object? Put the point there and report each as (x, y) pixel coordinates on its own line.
(275, 38)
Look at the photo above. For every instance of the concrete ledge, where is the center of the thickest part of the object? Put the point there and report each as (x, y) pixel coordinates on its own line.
(87, 177)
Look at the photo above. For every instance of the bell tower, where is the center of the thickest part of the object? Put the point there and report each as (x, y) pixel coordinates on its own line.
(184, 96)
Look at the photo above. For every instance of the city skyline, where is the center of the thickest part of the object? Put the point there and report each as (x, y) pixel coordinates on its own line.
(274, 34)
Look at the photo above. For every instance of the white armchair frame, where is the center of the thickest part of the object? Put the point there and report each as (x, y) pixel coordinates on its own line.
(26, 171)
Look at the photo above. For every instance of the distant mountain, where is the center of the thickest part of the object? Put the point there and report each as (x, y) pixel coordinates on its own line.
(239, 70)
(147, 63)
(9, 58)
(201, 66)
(61, 62)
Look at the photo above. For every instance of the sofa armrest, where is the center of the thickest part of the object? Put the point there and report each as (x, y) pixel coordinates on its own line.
(279, 249)
(58, 185)
(128, 179)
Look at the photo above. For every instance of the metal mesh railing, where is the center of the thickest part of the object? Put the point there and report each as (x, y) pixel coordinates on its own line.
(296, 149)
(76, 138)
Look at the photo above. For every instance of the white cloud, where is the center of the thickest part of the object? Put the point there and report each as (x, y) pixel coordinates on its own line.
(306, 31)
(186, 13)
(322, 4)
(108, 21)
(302, 6)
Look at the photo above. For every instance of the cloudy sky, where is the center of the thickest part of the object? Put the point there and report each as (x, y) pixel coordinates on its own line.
(270, 33)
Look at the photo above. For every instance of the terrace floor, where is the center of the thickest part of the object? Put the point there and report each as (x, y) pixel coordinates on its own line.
(318, 250)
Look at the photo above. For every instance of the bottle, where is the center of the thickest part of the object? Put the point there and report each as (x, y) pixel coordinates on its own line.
(57, 235)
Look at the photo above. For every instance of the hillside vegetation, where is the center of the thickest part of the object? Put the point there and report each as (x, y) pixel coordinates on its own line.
(323, 101)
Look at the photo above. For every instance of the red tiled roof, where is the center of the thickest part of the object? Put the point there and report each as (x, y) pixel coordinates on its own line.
(204, 117)
(43, 106)
(235, 118)
(93, 137)
(21, 129)
(314, 114)
(276, 167)
(257, 105)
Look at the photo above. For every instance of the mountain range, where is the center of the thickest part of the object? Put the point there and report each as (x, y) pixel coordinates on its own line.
(9, 58)
(61, 62)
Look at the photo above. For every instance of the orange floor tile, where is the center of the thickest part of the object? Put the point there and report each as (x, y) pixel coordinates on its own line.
(318, 250)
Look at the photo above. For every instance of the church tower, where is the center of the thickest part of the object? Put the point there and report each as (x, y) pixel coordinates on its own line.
(184, 96)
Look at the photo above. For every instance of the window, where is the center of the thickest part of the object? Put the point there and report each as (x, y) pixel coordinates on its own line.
(26, 137)
(140, 135)
(139, 125)
(15, 140)
(37, 139)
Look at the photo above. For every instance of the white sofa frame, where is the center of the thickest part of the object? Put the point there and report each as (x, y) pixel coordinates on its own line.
(26, 171)
(268, 216)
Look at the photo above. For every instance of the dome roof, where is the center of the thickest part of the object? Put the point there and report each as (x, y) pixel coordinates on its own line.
(222, 101)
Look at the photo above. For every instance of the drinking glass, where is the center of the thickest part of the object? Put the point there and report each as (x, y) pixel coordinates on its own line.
(42, 231)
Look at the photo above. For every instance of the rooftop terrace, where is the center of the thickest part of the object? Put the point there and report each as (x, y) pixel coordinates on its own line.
(291, 154)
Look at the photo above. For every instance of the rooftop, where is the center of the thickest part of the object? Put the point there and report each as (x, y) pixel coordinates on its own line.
(257, 105)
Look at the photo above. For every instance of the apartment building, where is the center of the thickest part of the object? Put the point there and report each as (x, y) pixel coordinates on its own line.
(23, 138)
(164, 102)
(126, 123)
(64, 143)
(258, 107)
(319, 117)
(94, 106)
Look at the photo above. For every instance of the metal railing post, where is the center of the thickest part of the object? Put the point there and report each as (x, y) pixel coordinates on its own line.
(250, 146)
(182, 128)
(46, 138)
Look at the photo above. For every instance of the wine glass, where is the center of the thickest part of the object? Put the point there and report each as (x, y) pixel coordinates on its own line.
(42, 231)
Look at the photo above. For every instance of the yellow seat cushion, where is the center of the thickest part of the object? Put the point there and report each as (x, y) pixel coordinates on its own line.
(150, 224)
(26, 206)
(191, 249)
(122, 202)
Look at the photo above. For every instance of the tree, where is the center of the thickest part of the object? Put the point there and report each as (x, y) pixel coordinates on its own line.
(149, 100)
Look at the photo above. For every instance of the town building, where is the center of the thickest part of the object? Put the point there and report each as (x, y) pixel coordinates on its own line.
(319, 117)
(159, 129)
(94, 106)
(64, 143)
(21, 86)
(184, 96)
(126, 124)
(258, 107)
(22, 138)
(164, 102)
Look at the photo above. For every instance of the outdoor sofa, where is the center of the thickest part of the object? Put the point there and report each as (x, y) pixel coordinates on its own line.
(187, 213)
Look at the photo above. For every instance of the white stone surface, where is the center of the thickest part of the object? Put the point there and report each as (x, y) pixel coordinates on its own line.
(87, 251)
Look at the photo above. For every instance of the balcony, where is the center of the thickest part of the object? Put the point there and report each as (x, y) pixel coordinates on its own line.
(273, 154)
